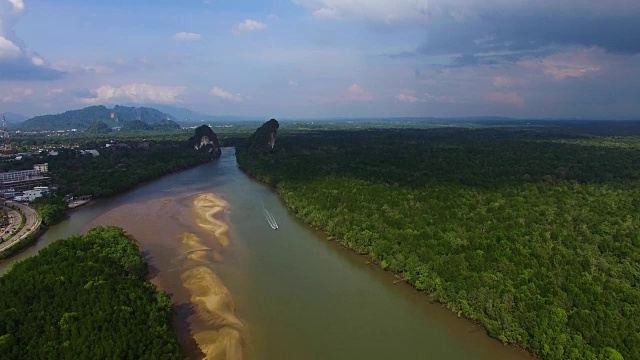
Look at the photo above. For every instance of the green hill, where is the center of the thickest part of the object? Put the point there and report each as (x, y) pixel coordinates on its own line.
(98, 127)
(85, 297)
(83, 118)
(135, 125)
(167, 125)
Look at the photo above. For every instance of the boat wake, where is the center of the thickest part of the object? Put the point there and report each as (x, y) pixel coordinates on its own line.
(270, 219)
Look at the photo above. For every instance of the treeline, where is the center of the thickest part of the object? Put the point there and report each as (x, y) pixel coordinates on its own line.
(534, 235)
(119, 169)
(51, 209)
(85, 297)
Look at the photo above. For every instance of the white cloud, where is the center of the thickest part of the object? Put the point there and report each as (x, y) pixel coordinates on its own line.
(356, 92)
(225, 95)
(410, 97)
(136, 93)
(509, 98)
(293, 83)
(387, 11)
(18, 5)
(439, 99)
(55, 92)
(17, 61)
(405, 97)
(16, 95)
(572, 64)
(186, 36)
(250, 25)
(8, 49)
(423, 11)
(37, 61)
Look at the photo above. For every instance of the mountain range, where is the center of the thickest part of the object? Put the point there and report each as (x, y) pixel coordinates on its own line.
(83, 118)
(186, 116)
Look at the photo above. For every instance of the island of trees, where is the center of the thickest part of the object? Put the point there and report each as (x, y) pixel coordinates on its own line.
(85, 297)
(532, 231)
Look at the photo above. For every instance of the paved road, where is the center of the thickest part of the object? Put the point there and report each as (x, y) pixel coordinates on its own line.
(31, 224)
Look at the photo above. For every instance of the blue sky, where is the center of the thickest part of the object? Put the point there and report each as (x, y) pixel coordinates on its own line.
(325, 58)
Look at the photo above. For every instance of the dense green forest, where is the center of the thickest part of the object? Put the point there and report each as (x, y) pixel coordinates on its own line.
(85, 297)
(51, 209)
(119, 169)
(532, 231)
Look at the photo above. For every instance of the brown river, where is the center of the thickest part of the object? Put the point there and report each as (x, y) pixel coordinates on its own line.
(244, 290)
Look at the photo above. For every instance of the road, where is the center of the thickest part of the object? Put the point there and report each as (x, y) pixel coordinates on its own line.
(32, 224)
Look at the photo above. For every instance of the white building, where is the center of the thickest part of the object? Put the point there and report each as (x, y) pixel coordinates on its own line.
(17, 175)
(41, 168)
(31, 195)
(92, 152)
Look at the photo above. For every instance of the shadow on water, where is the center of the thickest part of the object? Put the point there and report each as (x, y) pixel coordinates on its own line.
(182, 326)
(152, 270)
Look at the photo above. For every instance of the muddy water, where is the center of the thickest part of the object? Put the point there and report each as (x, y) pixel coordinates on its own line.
(246, 291)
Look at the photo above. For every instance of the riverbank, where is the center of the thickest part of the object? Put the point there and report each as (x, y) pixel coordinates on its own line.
(308, 200)
(298, 296)
(197, 234)
(107, 310)
(515, 241)
(26, 234)
(25, 243)
(441, 311)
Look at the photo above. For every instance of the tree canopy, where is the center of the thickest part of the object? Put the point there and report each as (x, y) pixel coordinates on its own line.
(85, 297)
(533, 232)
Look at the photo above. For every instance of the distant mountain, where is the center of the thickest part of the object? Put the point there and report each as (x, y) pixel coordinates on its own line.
(186, 116)
(83, 118)
(13, 118)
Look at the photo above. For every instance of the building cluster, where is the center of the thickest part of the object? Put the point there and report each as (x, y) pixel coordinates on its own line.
(31, 195)
(25, 185)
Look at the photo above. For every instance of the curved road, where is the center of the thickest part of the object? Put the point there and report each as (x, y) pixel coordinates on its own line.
(31, 224)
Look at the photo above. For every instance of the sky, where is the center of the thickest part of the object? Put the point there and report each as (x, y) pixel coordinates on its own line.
(325, 58)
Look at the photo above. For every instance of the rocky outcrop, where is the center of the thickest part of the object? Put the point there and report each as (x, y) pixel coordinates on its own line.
(206, 140)
(263, 139)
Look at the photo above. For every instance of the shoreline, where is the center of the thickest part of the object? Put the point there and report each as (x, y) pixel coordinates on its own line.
(93, 201)
(394, 279)
(439, 312)
(181, 257)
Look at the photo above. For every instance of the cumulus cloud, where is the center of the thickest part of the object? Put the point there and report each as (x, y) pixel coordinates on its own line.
(186, 36)
(16, 95)
(566, 65)
(489, 32)
(385, 11)
(356, 92)
(8, 50)
(250, 25)
(56, 91)
(18, 5)
(509, 98)
(439, 99)
(17, 62)
(225, 95)
(411, 97)
(135, 93)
